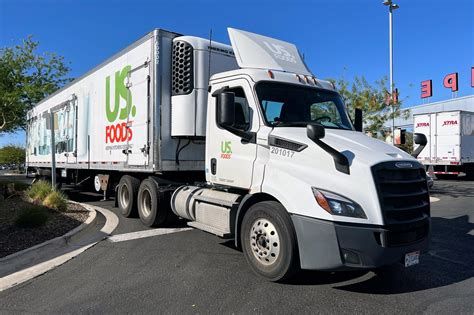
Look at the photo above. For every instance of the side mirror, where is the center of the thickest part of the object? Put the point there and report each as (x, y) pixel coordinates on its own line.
(420, 138)
(315, 131)
(226, 109)
(358, 119)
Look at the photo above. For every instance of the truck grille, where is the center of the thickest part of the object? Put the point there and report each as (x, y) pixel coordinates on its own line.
(182, 68)
(404, 200)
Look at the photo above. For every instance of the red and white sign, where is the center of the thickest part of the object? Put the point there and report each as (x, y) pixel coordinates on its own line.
(450, 81)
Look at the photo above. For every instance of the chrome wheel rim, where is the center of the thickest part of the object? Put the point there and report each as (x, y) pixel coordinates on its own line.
(264, 241)
(145, 203)
(124, 196)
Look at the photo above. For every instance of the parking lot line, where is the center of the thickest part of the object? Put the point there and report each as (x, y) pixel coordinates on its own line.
(142, 234)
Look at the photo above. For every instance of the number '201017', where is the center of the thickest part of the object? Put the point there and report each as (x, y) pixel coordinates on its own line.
(282, 152)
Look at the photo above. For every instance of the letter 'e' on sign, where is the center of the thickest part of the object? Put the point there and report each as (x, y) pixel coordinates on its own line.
(426, 89)
(451, 81)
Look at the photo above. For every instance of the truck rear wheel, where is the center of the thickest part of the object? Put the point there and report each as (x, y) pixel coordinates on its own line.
(127, 195)
(269, 242)
(153, 204)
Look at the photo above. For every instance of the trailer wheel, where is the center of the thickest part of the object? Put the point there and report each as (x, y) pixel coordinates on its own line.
(269, 242)
(153, 204)
(127, 195)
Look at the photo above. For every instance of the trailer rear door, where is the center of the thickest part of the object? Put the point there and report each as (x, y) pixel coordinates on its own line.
(422, 124)
(448, 137)
(467, 137)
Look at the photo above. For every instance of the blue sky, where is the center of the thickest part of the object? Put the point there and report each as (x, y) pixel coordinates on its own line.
(339, 38)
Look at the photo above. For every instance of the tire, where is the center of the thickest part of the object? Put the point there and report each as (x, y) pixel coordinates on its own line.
(153, 204)
(127, 196)
(271, 251)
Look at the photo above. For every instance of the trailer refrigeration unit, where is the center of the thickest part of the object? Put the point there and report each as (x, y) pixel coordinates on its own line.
(450, 147)
(243, 142)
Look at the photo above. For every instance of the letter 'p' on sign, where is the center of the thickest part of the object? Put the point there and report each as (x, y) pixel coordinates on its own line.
(426, 89)
(451, 81)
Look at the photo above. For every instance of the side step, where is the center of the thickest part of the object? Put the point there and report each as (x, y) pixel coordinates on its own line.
(210, 229)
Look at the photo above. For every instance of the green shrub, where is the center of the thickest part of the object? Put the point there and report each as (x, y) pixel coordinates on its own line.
(56, 200)
(39, 190)
(32, 216)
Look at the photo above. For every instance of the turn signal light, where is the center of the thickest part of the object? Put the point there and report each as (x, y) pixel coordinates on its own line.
(322, 201)
(270, 74)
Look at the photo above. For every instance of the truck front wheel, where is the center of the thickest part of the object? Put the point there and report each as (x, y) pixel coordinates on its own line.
(127, 195)
(268, 241)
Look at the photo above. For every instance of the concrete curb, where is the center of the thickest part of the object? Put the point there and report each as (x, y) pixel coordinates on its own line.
(44, 257)
(61, 239)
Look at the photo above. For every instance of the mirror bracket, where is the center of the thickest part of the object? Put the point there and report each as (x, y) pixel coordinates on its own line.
(315, 133)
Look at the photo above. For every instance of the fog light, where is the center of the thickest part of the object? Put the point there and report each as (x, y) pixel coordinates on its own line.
(350, 257)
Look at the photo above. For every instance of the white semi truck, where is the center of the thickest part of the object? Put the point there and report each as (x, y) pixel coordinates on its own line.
(243, 142)
(450, 142)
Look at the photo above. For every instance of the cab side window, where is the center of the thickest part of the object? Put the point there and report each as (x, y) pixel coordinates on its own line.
(242, 110)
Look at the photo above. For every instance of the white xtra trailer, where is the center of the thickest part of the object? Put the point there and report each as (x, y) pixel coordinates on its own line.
(450, 147)
(241, 141)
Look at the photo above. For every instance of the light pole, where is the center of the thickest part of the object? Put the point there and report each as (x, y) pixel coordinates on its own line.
(391, 6)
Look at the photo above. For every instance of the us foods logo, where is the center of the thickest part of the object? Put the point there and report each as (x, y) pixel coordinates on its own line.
(280, 52)
(226, 149)
(121, 109)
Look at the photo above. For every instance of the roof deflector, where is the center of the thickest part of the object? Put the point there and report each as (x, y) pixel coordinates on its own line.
(261, 52)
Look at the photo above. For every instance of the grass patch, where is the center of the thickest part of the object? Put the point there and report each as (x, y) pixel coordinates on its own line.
(39, 190)
(56, 200)
(32, 216)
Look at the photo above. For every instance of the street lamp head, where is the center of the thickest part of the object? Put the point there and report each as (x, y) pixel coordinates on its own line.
(390, 4)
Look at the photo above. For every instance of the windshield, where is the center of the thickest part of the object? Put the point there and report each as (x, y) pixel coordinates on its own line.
(286, 105)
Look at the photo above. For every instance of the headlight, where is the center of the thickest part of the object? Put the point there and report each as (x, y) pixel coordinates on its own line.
(338, 205)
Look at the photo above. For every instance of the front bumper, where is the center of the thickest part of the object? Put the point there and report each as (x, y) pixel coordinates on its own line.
(325, 245)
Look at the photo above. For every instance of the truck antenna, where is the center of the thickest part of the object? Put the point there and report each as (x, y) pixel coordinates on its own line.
(210, 45)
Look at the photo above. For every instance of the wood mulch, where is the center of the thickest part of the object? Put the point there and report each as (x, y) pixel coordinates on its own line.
(14, 239)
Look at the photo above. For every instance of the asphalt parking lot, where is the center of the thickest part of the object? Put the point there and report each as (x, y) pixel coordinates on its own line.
(195, 272)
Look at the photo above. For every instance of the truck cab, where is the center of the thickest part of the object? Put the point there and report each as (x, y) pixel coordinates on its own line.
(332, 196)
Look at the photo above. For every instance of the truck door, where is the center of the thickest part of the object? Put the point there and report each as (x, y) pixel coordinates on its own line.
(448, 137)
(229, 158)
(71, 132)
(138, 84)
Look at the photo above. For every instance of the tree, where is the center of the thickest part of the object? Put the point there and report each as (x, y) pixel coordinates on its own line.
(12, 154)
(26, 77)
(372, 100)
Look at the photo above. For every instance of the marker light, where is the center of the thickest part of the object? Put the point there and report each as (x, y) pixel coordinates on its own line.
(270, 74)
(338, 205)
(299, 78)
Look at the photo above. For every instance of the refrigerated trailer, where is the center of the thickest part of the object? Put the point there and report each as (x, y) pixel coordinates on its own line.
(450, 147)
(241, 141)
